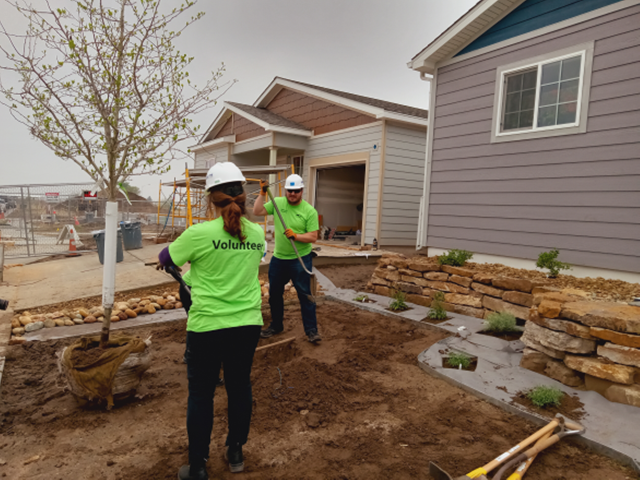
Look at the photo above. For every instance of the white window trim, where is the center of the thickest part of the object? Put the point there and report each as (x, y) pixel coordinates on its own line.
(579, 126)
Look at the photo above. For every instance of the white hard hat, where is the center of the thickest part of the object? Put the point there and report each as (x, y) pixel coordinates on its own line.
(293, 182)
(223, 172)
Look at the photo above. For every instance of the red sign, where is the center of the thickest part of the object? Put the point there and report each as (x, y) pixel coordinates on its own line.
(52, 197)
(88, 194)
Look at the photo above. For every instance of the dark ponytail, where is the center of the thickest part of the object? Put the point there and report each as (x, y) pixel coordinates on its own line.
(232, 209)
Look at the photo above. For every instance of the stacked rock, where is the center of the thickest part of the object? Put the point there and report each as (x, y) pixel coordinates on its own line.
(25, 322)
(475, 294)
(595, 345)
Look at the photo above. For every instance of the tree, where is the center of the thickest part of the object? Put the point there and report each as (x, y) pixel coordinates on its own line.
(105, 87)
(128, 188)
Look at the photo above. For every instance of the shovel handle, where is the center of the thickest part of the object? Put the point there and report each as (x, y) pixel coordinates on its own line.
(284, 225)
(550, 427)
(524, 466)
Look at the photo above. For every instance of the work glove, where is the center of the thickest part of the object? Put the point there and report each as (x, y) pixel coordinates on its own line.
(289, 234)
(160, 266)
(263, 187)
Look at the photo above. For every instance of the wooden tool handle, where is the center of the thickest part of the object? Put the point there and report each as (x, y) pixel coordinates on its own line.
(550, 427)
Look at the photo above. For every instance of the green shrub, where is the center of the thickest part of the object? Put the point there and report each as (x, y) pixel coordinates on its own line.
(455, 257)
(500, 322)
(543, 396)
(549, 261)
(399, 302)
(362, 298)
(437, 311)
(457, 359)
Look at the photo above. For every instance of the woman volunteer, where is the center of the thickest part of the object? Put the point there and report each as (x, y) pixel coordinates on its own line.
(224, 321)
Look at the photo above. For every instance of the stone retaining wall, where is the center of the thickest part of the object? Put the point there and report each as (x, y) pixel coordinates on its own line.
(592, 345)
(465, 292)
(584, 344)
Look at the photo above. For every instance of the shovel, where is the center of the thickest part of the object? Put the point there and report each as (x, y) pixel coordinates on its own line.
(574, 429)
(313, 284)
(524, 466)
(480, 473)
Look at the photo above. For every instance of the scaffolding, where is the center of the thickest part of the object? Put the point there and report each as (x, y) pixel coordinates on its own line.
(189, 200)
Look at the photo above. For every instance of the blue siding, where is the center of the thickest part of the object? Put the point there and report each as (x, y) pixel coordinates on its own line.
(532, 15)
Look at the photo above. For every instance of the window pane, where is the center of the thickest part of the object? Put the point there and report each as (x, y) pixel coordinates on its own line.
(547, 116)
(571, 68)
(567, 113)
(569, 91)
(514, 83)
(526, 119)
(513, 102)
(549, 94)
(550, 72)
(528, 99)
(529, 79)
(510, 121)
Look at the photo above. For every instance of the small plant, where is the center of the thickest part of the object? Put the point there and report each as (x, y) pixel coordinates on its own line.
(459, 360)
(399, 302)
(362, 298)
(455, 257)
(549, 261)
(543, 396)
(500, 322)
(437, 311)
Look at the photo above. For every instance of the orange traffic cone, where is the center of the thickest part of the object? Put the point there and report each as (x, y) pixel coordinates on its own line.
(72, 245)
(76, 221)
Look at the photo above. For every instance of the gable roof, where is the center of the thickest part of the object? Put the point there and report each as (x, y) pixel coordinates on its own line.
(267, 119)
(258, 113)
(374, 102)
(380, 109)
(479, 18)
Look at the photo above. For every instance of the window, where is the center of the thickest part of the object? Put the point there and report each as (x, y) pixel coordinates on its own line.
(298, 165)
(544, 96)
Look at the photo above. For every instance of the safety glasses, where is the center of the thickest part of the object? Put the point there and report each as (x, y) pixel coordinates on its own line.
(294, 191)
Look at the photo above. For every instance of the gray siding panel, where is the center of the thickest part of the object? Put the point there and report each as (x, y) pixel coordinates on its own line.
(599, 214)
(211, 155)
(579, 193)
(403, 185)
(354, 141)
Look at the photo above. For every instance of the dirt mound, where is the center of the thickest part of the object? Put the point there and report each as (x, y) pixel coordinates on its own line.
(356, 406)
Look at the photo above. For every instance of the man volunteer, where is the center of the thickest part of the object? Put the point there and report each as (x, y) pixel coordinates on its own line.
(224, 322)
(302, 222)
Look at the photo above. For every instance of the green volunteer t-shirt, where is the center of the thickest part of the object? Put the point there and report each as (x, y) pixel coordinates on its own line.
(301, 218)
(225, 289)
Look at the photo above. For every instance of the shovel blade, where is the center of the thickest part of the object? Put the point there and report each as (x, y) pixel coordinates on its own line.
(437, 473)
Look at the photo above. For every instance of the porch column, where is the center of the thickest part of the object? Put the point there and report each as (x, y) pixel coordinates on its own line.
(273, 160)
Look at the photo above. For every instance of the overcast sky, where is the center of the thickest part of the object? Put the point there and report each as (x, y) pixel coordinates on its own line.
(358, 46)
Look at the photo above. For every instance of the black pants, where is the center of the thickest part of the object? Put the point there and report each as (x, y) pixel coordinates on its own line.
(206, 352)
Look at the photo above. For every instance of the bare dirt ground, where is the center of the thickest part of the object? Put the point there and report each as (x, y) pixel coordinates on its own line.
(355, 407)
(354, 277)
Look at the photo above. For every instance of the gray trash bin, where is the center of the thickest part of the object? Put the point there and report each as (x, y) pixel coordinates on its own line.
(132, 235)
(98, 235)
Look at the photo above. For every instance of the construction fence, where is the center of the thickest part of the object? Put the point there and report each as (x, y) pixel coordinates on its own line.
(40, 220)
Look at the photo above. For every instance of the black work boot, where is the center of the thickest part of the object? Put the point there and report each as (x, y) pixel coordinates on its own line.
(269, 332)
(188, 473)
(233, 455)
(314, 336)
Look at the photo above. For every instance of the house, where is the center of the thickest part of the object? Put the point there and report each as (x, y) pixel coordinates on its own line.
(534, 136)
(362, 159)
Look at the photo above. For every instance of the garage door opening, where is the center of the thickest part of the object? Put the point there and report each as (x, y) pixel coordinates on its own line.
(339, 199)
